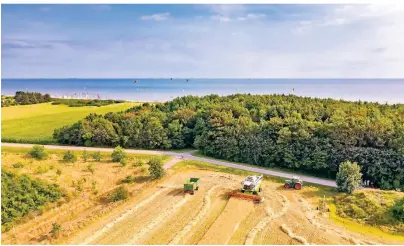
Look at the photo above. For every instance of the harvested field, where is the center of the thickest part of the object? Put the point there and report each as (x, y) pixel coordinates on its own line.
(160, 213)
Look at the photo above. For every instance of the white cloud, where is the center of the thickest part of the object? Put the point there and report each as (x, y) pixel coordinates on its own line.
(340, 41)
(156, 17)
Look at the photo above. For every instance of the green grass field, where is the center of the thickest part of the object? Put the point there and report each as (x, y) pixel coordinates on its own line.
(35, 123)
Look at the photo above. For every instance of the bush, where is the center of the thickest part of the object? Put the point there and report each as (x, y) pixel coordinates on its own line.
(58, 172)
(55, 229)
(139, 163)
(85, 156)
(128, 180)
(69, 156)
(38, 152)
(97, 156)
(398, 210)
(90, 168)
(41, 169)
(18, 165)
(118, 154)
(156, 169)
(120, 193)
(348, 177)
(358, 212)
(123, 162)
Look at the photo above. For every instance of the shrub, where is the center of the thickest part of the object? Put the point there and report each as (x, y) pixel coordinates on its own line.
(94, 187)
(18, 165)
(128, 180)
(120, 193)
(41, 169)
(97, 156)
(358, 212)
(59, 172)
(69, 156)
(123, 162)
(139, 163)
(55, 229)
(118, 154)
(398, 210)
(90, 168)
(156, 169)
(85, 156)
(348, 177)
(38, 152)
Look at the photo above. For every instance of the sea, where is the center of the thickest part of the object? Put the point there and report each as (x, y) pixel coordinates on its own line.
(389, 91)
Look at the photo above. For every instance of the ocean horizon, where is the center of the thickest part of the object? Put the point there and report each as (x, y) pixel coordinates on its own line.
(389, 91)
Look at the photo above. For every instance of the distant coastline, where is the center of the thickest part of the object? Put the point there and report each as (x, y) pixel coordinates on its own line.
(161, 90)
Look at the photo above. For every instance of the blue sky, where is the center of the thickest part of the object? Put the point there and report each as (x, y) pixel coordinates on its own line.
(265, 41)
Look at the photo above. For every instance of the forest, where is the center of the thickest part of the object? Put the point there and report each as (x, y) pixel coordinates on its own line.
(20, 194)
(285, 131)
(24, 98)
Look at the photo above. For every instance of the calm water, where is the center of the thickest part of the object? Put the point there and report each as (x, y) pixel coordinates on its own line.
(380, 90)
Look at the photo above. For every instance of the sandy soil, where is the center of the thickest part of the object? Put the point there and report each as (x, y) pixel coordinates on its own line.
(162, 214)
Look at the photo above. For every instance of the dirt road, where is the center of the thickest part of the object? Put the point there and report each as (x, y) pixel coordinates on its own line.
(189, 156)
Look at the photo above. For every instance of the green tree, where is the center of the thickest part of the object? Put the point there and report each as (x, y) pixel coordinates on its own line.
(118, 154)
(69, 156)
(156, 169)
(348, 177)
(38, 152)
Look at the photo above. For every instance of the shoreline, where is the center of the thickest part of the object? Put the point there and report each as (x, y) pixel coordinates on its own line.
(254, 94)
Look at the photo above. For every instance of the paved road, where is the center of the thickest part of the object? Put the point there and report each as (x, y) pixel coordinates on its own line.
(189, 156)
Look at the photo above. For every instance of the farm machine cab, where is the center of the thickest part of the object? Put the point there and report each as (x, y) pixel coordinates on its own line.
(295, 183)
(249, 189)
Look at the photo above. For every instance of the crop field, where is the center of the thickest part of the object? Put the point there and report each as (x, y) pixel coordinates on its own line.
(28, 123)
(158, 212)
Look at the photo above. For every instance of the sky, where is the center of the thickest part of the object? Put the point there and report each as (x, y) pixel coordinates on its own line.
(202, 41)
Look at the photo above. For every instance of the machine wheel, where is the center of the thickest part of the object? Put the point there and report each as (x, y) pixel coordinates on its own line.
(260, 189)
(298, 186)
(197, 188)
(255, 193)
(242, 191)
(287, 186)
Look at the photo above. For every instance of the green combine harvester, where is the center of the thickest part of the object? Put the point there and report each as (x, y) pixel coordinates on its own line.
(249, 189)
(191, 185)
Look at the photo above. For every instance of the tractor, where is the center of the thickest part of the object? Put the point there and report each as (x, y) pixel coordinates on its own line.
(295, 182)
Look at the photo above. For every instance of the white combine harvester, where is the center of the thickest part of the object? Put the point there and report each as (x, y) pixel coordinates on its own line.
(250, 188)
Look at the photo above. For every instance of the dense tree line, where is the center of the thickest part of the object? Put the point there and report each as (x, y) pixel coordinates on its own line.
(21, 194)
(25, 98)
(84, 102)
(299, 133)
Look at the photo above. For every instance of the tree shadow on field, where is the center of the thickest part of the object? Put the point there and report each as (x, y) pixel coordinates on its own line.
(142, 179)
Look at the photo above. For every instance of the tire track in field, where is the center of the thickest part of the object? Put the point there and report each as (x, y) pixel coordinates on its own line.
(270, 216)
(128, 212)
(161, 217)
(204, 210)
